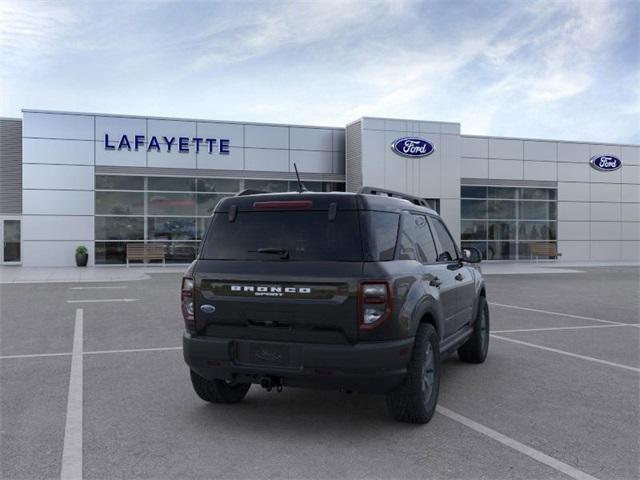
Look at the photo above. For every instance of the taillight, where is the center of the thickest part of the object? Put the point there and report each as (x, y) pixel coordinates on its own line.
(374, 304)
(186, 300)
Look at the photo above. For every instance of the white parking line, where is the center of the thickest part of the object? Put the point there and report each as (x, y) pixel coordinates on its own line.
(72, 446)
(560, 314)
(35, 355)
(569, 354)
(100, 300)
(133, 350)
(96, 288)
(563, 328)
(515, 445)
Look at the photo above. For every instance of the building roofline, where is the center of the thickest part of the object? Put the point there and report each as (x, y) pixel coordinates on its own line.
(553, 140)
(178, 119)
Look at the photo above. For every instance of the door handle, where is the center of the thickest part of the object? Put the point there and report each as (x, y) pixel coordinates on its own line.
(459, 277)
(435, 282)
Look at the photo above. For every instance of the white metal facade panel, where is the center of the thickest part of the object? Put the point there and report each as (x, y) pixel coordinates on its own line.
(573, 152)
(540, 171)
(573, 250)
(57, 177)
(630, 212)
(574, 211)
(339, 141)
(573, 231)
(604, 212)
(231, 131)
(48, 227)
(115, 127)
(57, 202)
(474, 167)
(311, 139)
(122, 158)
(58, 152)
(266, 159)
(450, 128)
(234, 160)
(630, 155)
(544, 151)
(450, 168)
(605, 250)
(630, 193)
(53, 125)
(630, 230)
(506, 149)
(573, 192)
(52, 253)
(574, 172)
(475, 147)
(630, 250)
(429, 127)
(506, 169)
(311, 161)
(264, 136)
(604, 192)
(606, 230)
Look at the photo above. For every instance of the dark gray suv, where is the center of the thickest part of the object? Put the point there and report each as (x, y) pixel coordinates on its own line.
(359, 292)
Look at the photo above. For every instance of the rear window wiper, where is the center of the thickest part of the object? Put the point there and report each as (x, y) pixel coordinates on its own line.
(283, 252)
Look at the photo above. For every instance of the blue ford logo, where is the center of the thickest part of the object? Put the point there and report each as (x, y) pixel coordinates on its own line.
(605, 163)
(412, 147)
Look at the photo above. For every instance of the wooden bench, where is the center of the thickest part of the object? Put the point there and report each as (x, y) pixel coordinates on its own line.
(546, 250)
(144, 252)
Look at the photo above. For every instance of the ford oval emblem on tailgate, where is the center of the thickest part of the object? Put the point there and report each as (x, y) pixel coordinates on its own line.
(208, 308)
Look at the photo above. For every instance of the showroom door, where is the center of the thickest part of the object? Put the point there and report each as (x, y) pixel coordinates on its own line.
(11, 241)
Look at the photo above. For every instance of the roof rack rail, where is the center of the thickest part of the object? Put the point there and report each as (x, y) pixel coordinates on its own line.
(390, 193)
(249, 191)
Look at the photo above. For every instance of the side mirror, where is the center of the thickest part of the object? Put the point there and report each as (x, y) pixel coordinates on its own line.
(471, 255)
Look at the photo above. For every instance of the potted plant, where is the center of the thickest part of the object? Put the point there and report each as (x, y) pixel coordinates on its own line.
(82, 256)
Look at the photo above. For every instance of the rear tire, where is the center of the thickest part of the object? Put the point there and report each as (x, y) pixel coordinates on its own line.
(218, 391)
(415, 400)
(476, 348)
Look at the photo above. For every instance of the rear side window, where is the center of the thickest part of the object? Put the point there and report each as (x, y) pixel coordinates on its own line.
(416, 242)
(381, 234)
(447, 247)
(304, 235)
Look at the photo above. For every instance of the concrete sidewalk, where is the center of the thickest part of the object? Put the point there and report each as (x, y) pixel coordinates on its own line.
(11, 274)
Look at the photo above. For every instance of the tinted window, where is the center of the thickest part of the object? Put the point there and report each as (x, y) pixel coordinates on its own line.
(178, 184)
(447, 249)
(305, 235)
(416, 242)
(119, 182)
(382, 232)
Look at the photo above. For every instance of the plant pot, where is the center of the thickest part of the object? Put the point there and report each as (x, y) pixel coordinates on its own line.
(82, 259)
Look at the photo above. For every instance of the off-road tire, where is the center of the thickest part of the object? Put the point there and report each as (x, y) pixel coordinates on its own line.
(218, 391)
(414, 401)
(476, 348)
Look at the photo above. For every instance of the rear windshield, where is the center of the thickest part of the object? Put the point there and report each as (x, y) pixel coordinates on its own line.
(284, 235)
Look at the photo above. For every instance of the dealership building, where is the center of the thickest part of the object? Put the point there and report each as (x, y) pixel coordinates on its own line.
(109, 181)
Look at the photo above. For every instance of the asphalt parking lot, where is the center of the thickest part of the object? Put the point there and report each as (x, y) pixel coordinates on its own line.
(95, 385)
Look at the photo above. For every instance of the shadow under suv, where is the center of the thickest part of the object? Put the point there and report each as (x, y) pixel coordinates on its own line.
(358, 292)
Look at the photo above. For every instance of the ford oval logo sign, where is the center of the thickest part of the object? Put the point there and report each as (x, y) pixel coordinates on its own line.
(605, 163)
(412, 147)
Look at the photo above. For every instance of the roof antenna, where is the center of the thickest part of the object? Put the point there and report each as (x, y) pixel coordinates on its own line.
(301, 187)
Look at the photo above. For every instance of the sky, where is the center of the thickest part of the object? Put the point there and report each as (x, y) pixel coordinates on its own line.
(536, 69)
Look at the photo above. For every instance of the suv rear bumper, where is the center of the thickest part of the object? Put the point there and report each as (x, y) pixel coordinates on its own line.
(374, 367)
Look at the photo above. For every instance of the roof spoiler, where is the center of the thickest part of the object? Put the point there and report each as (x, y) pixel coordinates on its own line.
(390, 193)
(249, 191)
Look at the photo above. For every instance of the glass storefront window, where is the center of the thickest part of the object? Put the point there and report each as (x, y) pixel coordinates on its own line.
(218, 185)
(125, 205)
(516, 216)
(501, 209)
(160, 203)
(475, 209)
(175, 184)
(171, 228)
(267, 185)
(119, 228)
(119, 182)
(473, 192)
(473, 230)
(119, 203)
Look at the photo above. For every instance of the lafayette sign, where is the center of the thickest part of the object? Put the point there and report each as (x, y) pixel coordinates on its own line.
(158, 144)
